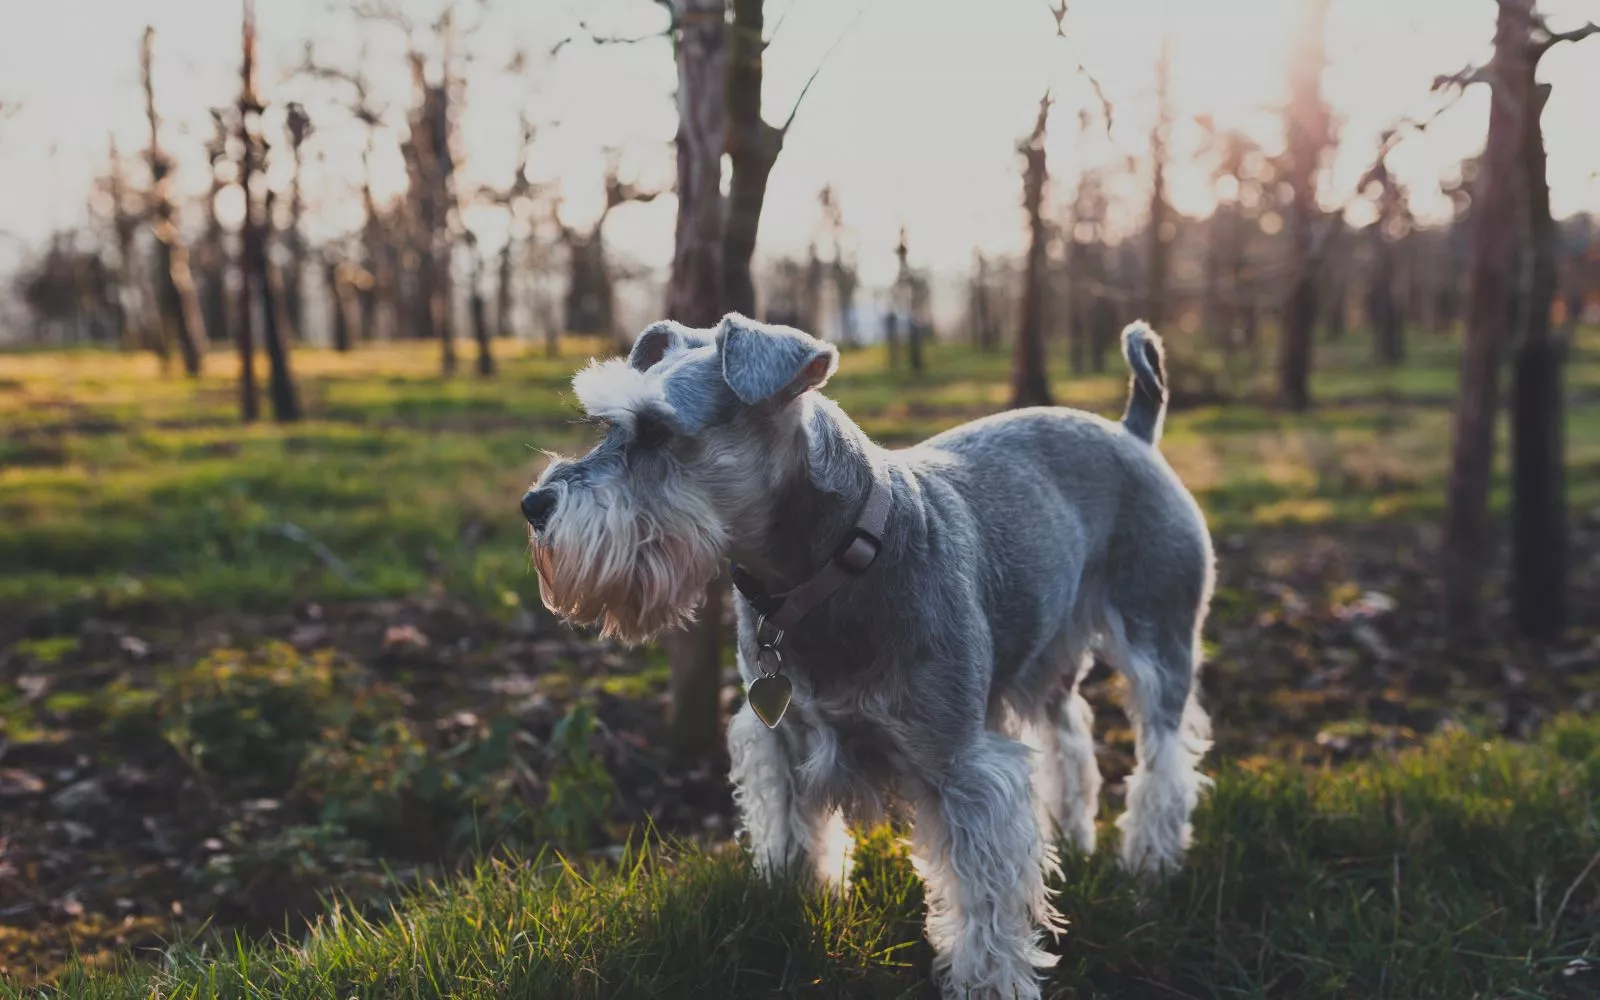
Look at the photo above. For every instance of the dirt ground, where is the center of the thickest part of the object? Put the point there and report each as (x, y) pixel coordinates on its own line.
(1322, 646)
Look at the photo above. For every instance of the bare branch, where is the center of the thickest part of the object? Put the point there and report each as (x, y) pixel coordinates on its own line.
(594, 37)
(1099, 92)
(1461, 78)
(1554, 38)
(820, 64)
(772, 36)
(1058, 11)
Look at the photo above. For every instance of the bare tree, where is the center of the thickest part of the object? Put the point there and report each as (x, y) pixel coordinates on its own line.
(126, 219)
(255, 272)
(1494, 210)
(1538, 496)
(697, 296)
(1309, 135)
(1029, 384)
(1392, 222)
(981, 320)
(298, 123)
(177, 303)
(210, 257)
(844, 275)
(477, 309)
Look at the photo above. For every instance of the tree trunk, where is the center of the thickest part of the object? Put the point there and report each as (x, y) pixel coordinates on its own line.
(1388, 347)
(1494, 231)
(1029, 385)
(176, 301)
(697, 297)
(249, 236)
(502, 292)
(480, 331)
(753, 147)
(280, 381)
(1538, 496)
(344, 304)
(1307, 137)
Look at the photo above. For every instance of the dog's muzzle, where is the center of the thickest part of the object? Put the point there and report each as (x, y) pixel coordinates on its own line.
(538, 505)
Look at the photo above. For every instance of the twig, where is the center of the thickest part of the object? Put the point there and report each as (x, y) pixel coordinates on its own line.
(1058, 11)
(772, 36)
(584, 31)
(1566, 897)
(820, 64)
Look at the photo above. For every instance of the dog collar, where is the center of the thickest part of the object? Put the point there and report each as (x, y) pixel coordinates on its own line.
(768, 695)
(851, 559)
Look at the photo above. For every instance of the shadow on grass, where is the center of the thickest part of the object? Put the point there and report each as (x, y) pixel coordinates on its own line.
(1460, 869)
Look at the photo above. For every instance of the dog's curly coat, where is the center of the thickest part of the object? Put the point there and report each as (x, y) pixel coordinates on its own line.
(1017, 546)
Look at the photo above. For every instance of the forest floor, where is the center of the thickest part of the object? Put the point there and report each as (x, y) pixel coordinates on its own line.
(244, 668)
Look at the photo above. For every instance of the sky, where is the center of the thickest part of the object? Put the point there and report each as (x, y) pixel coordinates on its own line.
(913, 119)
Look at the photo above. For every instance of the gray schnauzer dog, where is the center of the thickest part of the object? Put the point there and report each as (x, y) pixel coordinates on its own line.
(930, 610)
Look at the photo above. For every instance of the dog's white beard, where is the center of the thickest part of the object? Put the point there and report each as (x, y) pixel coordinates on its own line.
(633, 571)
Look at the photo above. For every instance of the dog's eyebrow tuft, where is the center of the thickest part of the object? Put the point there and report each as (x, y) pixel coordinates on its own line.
(614, 390)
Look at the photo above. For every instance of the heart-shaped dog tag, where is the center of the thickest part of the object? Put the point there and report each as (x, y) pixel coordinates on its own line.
(769, 697)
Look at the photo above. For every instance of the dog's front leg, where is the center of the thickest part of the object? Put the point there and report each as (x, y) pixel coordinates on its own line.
(978, 847)
(788, 830)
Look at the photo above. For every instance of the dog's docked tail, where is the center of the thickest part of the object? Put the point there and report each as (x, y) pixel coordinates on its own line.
(1147, 390)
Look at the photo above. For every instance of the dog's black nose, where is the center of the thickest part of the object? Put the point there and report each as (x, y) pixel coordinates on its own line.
(537, 506)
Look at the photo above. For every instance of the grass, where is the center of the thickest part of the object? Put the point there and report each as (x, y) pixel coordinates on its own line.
(1462, 869)
(1459, 871)
(125, 490)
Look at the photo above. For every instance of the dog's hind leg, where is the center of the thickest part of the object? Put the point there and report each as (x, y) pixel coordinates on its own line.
(1159, 662)
(1066, 777)
(788, 830)
(977, 846)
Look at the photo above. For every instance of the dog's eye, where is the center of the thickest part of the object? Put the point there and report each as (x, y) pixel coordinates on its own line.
(651, 434)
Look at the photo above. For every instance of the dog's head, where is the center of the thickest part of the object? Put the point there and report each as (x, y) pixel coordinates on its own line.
(703, 432)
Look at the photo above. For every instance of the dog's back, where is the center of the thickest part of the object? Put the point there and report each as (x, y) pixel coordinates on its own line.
(1071, 516)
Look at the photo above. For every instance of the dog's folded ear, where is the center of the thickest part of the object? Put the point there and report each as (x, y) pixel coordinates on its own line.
(656, 340)
(761, 362)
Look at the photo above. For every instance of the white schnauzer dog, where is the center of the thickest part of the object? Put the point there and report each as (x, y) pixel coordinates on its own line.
(930, 612)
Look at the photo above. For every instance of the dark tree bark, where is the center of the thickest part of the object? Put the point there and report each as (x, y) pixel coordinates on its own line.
(697, 297)
(1383, 311)
(430, 170)
(502, 293)
(211, 257)
(1307, 138)
(176, 301)
(257, 273)
(1029, 384)
(905, 292)
(1388, 344)
(752, 146)
(1538, 495)
(125, 222)
(1493, 274)
(479, 312)
(294, 296)
(249, 239)
(280, 381)
(343, 303)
